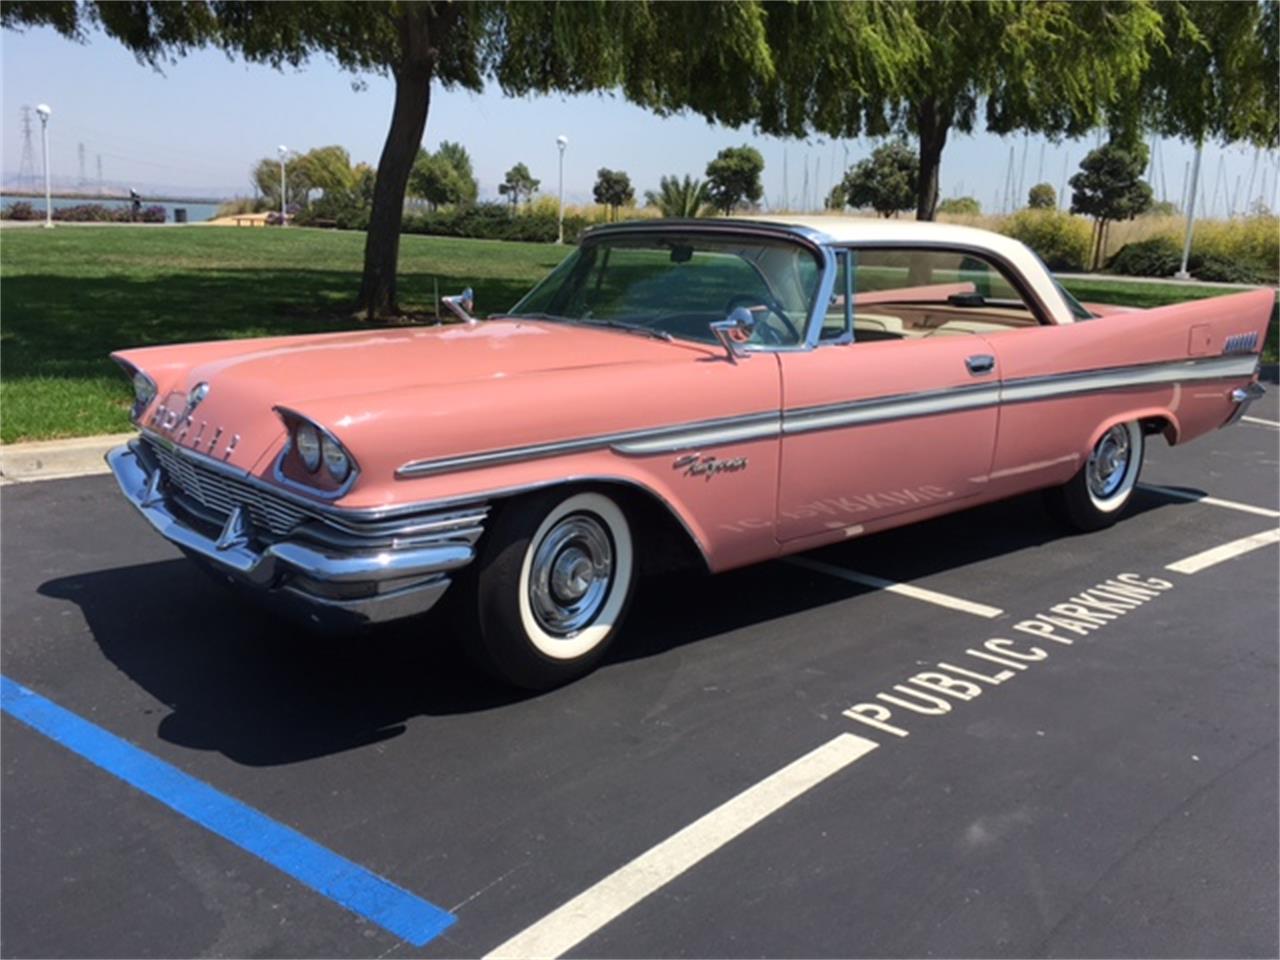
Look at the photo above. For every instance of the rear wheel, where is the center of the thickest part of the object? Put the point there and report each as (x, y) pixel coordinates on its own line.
(1096, 496)
(553, 583)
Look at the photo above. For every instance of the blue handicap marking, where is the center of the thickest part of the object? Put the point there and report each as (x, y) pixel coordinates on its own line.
(359, 890)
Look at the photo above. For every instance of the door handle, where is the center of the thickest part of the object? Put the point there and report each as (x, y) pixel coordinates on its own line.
(980, 363)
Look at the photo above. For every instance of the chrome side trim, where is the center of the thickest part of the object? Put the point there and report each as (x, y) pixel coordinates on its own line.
(629, 443)
(1123, 378)
(761, 426)
(900, 407)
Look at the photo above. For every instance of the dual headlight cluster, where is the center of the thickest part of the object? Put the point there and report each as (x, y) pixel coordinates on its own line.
(315, 447)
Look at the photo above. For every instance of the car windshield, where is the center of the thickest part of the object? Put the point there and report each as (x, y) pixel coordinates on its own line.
(676, 284)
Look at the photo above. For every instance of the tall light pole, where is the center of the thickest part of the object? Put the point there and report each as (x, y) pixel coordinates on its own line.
(1182, 273)
(561, 141)
(44, 110)
(284, 216)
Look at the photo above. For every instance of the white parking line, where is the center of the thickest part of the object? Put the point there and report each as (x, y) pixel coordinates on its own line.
(1212, 501)
(902, 589)
(1265, 423)
(1208, 558)
(564, 928)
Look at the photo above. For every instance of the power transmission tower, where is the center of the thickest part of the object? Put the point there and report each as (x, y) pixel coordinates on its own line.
(80, 153)
(27, 165)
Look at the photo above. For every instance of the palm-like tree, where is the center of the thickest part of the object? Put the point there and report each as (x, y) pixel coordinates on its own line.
(680, 198)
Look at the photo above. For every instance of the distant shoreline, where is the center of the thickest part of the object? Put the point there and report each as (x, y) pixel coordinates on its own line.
(90, 197)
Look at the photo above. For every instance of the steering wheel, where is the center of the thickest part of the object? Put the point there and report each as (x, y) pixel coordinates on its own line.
(768, 333)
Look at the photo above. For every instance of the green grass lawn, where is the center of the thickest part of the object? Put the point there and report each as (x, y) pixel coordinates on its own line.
(70, 296)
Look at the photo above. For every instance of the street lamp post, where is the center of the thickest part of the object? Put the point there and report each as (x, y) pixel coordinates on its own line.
(284, 216)
(1182, 273)
(561, 141)
(44, 110)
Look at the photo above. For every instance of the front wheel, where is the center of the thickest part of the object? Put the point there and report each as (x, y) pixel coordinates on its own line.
(554, 580)
(1096, 496)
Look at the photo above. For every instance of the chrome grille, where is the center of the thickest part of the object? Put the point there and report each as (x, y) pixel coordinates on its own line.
(221, 493)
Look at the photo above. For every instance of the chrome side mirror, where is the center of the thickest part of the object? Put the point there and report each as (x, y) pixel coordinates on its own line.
(734, 331)
(461, 305)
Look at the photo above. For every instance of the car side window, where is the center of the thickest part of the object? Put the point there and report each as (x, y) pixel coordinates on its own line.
(906, 293)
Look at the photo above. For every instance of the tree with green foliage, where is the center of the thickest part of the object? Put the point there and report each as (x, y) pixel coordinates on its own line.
(518, 183)
(926, 69)
(886, 181)
(960, 206)
(613, 189)
(708, 57)
(266, 179)
(836, 198)
(443, 177)
(1212, 76)
(685, 198)
(1042, 197)
(1110, 187)
(733, 178)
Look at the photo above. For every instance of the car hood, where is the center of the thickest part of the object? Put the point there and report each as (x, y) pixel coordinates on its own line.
(346, 379)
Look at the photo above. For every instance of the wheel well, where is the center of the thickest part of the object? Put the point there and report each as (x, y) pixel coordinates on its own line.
(1161, 425)
(663, 543)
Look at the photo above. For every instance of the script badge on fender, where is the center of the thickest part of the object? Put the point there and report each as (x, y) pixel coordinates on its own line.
(696, 465)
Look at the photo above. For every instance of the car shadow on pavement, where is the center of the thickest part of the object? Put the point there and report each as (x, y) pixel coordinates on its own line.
(264, 691)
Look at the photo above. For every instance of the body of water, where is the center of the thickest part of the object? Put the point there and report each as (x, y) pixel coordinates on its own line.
(195, 211)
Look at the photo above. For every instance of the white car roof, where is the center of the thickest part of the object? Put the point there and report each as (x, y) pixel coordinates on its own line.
(868, 230)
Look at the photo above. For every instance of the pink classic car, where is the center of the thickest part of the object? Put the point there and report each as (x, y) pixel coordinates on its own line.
(723, 392)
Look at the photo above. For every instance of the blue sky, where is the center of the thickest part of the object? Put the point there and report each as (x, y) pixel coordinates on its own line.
(200, 127)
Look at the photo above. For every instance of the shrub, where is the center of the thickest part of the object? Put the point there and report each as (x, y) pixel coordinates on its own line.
(1253, 242)
(962, 206)
(1223, 270)
(1157, 257)
(1059, 239)
(21, 210)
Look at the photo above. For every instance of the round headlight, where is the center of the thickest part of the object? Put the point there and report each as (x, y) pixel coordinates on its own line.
(308, 442)
(144, 391)
(336, 460)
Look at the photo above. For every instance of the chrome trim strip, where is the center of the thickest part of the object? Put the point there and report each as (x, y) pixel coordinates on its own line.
(1124, 378)
(900, 407)
(629, 443)
(760, 426)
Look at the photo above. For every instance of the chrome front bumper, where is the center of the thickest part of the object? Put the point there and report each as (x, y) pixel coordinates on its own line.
(349, 581)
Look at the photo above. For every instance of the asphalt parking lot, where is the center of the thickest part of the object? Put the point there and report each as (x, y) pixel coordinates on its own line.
(716, 789)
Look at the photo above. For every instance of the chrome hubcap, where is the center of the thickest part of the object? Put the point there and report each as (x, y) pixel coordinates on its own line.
(570, 576)
(1109, 462)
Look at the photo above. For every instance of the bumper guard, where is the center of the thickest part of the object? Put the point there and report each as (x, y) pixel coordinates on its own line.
(328, 585)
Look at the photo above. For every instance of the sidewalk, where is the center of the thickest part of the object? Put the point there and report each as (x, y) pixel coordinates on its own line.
(55, 459)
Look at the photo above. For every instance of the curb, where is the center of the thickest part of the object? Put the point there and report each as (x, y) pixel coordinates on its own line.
(57, 459)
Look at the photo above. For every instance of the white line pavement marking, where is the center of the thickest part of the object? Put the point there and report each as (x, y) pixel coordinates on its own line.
(902, 589)
(1265, 423)
(1228, 551)
(566, 927)
(1212, 501)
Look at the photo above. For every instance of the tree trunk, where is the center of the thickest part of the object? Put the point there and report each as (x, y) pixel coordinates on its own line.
(932, 123)
(382, 242)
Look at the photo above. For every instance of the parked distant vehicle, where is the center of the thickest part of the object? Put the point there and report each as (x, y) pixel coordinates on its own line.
(729, 391)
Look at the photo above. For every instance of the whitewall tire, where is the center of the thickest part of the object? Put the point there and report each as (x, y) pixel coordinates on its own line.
(1099, 492)
(554, 580)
